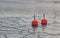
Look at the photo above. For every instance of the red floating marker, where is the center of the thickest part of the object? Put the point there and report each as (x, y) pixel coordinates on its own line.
(44, 21)
(34, 23)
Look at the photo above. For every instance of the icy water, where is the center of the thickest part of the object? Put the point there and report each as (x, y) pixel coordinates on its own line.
(20, 27)
(16, 17)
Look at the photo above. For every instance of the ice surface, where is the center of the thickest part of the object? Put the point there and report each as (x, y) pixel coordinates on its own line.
(11, 27)
(16, 17)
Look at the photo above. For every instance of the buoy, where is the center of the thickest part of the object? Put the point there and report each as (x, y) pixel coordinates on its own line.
(43, 24)
(44, 21)
(34, 24)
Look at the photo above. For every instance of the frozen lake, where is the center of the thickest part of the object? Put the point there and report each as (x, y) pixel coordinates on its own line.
(16, 17)
(20, 27)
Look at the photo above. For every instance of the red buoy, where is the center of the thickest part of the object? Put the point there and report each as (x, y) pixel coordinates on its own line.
(44, 21)
(34, 23)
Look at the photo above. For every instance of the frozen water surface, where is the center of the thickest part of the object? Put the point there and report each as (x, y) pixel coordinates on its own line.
(16, 17)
